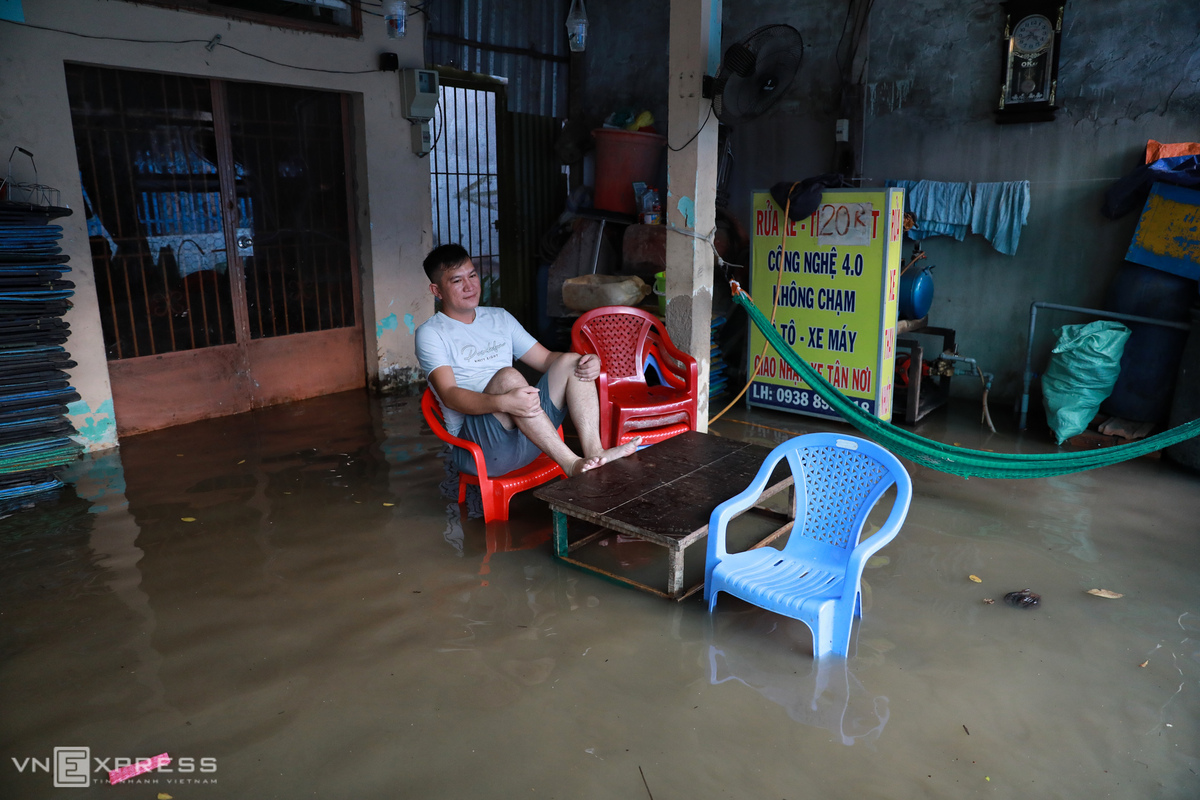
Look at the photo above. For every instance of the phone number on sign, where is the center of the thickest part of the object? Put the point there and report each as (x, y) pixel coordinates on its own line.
(794, 399)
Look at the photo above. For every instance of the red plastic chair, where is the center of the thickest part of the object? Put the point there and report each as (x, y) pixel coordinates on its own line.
(625, 338)
(496, 492)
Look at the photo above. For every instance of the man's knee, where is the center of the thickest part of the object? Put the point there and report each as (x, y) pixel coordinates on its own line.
(505, 380)
(562, 369)
(568, 361)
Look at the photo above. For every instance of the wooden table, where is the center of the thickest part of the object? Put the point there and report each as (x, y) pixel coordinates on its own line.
(663, 494)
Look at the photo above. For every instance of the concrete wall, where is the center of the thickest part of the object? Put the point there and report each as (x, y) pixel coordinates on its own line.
(933, 79)
(794, 139)
(391, 184)
(932, 82)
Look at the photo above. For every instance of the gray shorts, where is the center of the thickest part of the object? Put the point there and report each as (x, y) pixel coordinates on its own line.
(503, 450)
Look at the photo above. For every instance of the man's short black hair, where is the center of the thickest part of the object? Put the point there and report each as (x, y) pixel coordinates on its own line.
(446, 256)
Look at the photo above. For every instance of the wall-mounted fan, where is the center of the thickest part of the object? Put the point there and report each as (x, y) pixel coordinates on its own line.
(754, 75)
(756, 72)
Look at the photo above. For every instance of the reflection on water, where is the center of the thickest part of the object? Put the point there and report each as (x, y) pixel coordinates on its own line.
(819, 699)
(1068, 525)
(288, 592)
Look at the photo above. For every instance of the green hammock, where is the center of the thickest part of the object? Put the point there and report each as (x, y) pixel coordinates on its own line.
(947, 458)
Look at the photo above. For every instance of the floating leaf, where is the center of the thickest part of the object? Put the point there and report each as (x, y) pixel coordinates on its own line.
(1105, 593)
(1144, 663)
(878, 561)
(243, 461)
(976, 578)
(188, 519)
(389, 505)
(164, 796)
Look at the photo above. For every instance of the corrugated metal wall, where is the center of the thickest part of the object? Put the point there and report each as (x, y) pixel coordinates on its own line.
(524, 41)
(532, 193)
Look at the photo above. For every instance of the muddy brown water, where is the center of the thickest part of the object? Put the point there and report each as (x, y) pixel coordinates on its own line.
(329, 625)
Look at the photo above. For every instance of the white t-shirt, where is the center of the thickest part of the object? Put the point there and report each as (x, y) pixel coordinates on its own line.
(475, 352)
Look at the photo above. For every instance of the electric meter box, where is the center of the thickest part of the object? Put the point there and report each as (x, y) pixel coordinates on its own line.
(418, 93)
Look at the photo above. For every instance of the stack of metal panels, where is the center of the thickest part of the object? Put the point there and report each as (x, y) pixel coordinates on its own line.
(35, 434)
(718, 377)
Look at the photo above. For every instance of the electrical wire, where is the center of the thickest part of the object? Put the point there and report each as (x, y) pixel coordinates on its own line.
(413, 9)
(860, 19)
(697, 133)
(837, 51)
(105, 38)
(774, 305)
(296, 66)
(210, 43)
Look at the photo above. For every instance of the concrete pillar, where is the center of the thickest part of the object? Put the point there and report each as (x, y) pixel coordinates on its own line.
(692, 181)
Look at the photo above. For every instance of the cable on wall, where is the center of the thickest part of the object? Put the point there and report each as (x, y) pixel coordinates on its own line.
(210, 44)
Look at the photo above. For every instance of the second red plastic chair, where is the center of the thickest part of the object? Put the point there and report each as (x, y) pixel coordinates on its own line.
(626, 338)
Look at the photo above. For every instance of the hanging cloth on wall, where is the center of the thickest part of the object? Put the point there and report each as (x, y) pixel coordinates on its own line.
(1000, 211)
(941, 208)
(948, 458)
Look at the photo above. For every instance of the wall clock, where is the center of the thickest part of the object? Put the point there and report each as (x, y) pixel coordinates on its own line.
(1032, 36)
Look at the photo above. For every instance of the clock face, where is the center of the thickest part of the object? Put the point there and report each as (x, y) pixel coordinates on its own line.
(1032, 34)
(1030, 43)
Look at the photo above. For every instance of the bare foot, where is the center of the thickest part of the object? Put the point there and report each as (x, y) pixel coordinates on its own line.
(611, 454)
(583, 465)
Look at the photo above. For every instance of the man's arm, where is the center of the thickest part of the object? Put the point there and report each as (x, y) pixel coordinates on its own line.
(432, 352)
(540, 359)
(521, 402)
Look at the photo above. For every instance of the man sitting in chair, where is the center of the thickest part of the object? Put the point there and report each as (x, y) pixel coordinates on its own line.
(467, 351)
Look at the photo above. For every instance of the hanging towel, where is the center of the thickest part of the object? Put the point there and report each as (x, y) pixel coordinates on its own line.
(1001, 210)
(941, 208)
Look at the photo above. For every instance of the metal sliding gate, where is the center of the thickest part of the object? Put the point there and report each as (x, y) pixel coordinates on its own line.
(222, 236)
(497, 187)
(464, 177)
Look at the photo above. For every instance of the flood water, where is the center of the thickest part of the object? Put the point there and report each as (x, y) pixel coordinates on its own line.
(285, 603)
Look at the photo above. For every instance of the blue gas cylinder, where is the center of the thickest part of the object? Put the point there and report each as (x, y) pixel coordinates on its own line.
(916, 292)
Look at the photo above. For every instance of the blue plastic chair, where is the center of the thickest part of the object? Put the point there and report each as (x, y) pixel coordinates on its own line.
(816, 577)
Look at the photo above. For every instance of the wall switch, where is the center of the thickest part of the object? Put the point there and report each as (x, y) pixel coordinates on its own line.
(842, 131)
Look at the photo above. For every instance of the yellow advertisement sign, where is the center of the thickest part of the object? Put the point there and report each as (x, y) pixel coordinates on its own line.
(833, 280)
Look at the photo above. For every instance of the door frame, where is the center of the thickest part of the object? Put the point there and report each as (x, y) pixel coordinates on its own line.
(158, 391)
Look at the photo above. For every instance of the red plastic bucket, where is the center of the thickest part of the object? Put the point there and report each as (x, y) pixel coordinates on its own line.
(623, 158)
